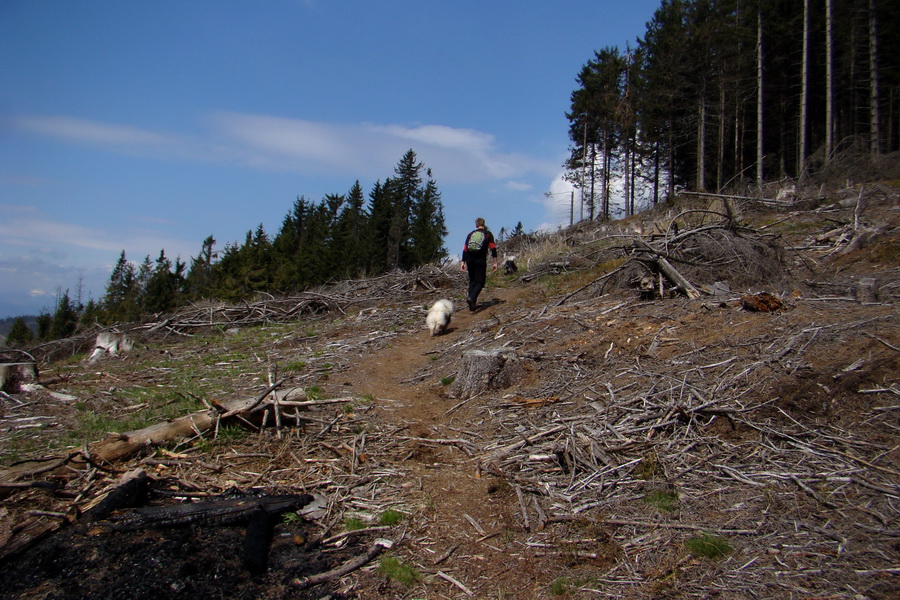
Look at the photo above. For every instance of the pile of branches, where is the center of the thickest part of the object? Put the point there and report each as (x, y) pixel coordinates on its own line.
(671, 448)
(265, 309)
(704, 258)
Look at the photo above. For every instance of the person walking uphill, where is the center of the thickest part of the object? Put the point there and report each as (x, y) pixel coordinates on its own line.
(479, 243)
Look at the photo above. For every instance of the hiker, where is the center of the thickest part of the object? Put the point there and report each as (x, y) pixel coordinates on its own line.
(474, 259)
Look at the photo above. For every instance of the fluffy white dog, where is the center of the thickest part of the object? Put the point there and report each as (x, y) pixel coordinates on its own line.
(438, 318)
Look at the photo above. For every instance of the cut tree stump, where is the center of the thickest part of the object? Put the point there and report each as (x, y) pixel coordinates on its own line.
(867, 290)
(13, 375)
(483, 370)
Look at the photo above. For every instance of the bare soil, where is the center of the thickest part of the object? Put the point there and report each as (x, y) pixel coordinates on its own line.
(639, 427)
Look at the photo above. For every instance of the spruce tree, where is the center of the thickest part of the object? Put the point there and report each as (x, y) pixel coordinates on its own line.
(122, 292)
(381, 216)
(19, 334)
(428, 228)
(198, 282)
(351, 235)
(65, 318)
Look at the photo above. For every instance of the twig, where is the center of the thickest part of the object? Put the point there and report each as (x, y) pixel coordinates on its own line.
(348, 567)
(446, 577)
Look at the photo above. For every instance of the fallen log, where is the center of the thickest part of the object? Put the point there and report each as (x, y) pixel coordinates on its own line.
(122, 445)
(220, 511)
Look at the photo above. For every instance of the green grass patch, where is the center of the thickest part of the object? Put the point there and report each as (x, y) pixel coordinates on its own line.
(399, 571)
(291, 518)
(354, 524)
(390, 518)
(708, 546)
(445, 381)
(295, 365)
(560, 586)
(663, 500)
(231, 433)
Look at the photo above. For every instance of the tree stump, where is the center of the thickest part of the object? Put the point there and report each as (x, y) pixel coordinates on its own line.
(867, 290)
(483, 370)
(13, 375)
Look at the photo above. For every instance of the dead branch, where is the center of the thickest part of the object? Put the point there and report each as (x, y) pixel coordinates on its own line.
(357, 563)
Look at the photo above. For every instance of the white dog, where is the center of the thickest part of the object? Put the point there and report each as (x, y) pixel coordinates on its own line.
(438, 318)
(110, 342)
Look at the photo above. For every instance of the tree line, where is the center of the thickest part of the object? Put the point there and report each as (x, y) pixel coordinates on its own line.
(343, 236)
(720, 93)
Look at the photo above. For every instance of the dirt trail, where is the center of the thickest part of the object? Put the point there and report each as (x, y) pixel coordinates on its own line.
(456, 506)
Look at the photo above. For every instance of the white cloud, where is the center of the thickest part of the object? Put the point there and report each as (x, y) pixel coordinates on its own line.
(93, 132)
(518, 186)
(466, 140)
(456, 155)
(37, 293)
(559, 202)
(38, 235)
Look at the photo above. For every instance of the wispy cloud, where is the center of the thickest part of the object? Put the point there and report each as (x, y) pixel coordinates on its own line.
(519, 186)
(27, 228)
(267, 142)
(93, 132)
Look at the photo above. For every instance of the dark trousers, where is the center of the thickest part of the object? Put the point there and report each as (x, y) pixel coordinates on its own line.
(477, 275)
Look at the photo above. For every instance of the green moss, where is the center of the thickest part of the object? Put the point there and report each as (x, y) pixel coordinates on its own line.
(390, 518)
(398, 570)
(708, 546)
(663, 500)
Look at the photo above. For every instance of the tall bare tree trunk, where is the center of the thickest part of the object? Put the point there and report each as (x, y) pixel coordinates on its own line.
(583, 175)
(670, 188)
(738, 142)
(701, 145)
(874, 116)
(605, 178)
(634, 159)
(627, 175)
(720, 171)
(759, 95)
(656, 173)
(829, 82)
(804, 93)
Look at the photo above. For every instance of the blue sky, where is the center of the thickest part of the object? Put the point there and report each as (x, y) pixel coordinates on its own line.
(142, 126)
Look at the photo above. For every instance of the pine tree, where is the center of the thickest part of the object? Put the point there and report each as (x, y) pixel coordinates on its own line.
(350, 236)
(163, 286)
(43, 322)
(198, 282)
(65, 318)
(122, 292)
(381, 216)
(287, 275)
(595, 126)
(428, 228)
(91, 315)
(19, 334)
